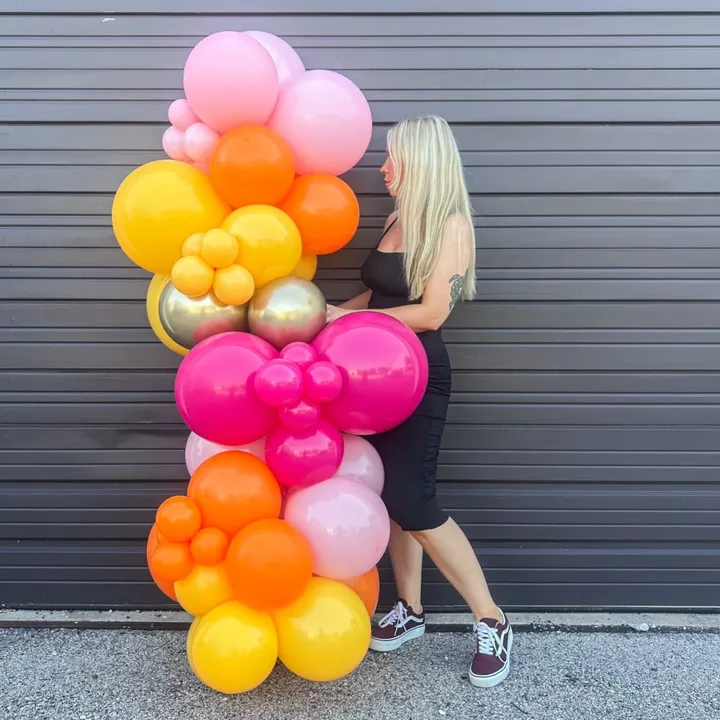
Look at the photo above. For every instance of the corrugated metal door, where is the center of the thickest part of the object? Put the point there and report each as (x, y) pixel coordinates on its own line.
(582, 450)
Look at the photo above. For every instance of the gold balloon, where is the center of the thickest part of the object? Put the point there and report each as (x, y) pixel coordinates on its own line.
(152, 307)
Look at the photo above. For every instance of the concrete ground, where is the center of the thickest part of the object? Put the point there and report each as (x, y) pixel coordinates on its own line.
(67, 674)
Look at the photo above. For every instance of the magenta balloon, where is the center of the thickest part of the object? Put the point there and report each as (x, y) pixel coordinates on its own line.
(287, 61)
(384, 369)
(301, 416)
(214, 390)
(181, 115)
(323, 382)
(345, 523)
(279, 383)
(361, 462)
(325, 119)
(198, 450)
(300, 353)
(300, 459)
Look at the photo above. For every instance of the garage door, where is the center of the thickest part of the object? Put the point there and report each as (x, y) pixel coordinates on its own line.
(582, 450)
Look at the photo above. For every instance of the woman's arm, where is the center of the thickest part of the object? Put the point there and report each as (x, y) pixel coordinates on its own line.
(359, 302)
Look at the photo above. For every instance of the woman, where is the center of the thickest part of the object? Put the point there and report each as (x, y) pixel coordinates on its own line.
(423, 265)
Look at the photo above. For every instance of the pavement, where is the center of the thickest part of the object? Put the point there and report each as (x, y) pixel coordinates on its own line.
(70, 674)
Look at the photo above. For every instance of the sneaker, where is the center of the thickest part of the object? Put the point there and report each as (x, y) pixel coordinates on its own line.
(399, 626)
(491, 663)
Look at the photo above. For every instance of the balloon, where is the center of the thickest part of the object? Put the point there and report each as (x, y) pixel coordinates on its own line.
(361, 462)
(234, 285)
(173, 142)
(270, 245)
(279, 382)
(299, 353)
(189, 642)
(192, 244)
(367, 586)
(299, 417)
(166, 586)
(323, 382)
(299, 459)
(171, 561)
(218, 248)
(325, 634)
(181, 114)
(287, 310)
(234, 648)
(345, 523)
(306, 267)
(209, 546)
(287, 61)
(230, 80)
(384, 368)
(214, 394)
(206, 587)
(200, 141)
(178, 519)
(157, 206)
(252, 165)
(192, 276)
(325, 210)
(198, 450)
(234, 489)
(270, 564)
(152, 307)
(325, 119)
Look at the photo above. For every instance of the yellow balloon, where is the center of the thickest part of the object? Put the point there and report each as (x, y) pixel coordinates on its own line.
(206, 587)
(325, 634)
(306, 268)
(270, 244)
(191, 246)
(158, 206)
(219, 248)
(152, 305)
(192, 276)
(233, 285)
(234, 648)
(189, 642)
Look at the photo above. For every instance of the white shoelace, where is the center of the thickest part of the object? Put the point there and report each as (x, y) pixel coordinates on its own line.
(398, 616)
(488, 639)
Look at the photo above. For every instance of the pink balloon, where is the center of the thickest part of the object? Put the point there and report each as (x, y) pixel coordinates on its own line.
(300, 459)
(300, 416)
(231, 80)
(198, 450)
(361, 462)
(325, 119)
(200, 141)
(173, 142)
(181, 115)
(287, 61)
(300, 353)
(323, 382)
(279, 383)
(214, 392)
(345, 523)
(384, 369)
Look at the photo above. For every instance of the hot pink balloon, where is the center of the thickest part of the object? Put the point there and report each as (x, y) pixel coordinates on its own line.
(325, 119)
(345, 523)
(198, 450)
(200, 141)
(323, 382)
(300, 459)
(361, 462)
(300, 416)
(173, 142)
(214, 392)
(279, 383)
(299, 353)
(384, 369)
(231, 80)
(287, 61)
(181, 115)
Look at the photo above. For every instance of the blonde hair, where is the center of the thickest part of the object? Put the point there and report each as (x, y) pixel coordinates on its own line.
(429, 187)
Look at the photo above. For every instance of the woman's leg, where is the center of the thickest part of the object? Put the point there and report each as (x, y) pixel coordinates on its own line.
(406, 556)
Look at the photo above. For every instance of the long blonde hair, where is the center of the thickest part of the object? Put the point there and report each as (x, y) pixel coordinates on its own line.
(429, 187)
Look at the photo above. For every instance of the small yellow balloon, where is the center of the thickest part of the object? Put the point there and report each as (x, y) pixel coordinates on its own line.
(234, 648)
(158, 206)
(206, 587)
(192, 276)
(325, 634)
(152, 306)
(192, 245)
(270, 244)
(233, 285)
(306, 268)
(219, 248)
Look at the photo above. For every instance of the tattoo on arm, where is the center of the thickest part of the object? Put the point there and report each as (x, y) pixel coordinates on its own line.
(457, 283)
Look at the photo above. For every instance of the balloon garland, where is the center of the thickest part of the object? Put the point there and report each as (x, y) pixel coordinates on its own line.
(274, 546)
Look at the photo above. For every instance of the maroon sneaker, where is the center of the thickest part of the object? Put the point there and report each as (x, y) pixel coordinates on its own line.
(399, 626)
(491, 663)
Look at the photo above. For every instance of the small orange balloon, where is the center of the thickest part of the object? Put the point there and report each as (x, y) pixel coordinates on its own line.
(367, 586)
(233, 489)
(192, 245)
(219, 248)
(252, 165)
(192, 276)
(154, 541)
(209, 546)
(269, 563)
(171, 562)
(233, 285)
(326, 211)
(178, 519)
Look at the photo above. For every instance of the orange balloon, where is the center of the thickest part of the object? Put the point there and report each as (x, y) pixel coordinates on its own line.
(233, 489)
(269, 563)
(178, 519)
(171, 562)
(209, 546)
(325, 210)
(154, 541)
(252, 165)
(367, 586)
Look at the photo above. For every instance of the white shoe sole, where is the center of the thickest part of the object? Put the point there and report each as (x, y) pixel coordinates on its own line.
(395, 643)
(488, 681)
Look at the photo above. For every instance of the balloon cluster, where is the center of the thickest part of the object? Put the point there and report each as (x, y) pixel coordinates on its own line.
(274, 546)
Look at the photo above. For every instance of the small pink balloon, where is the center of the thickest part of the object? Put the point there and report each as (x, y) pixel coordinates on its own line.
(300, 416)
(181, 115)
(173, 142)
(287, 61)
(346, 524)
(231, 80)
(325, 119)
(202, 167)
(279, 382)
(300, 459)
(200, 141)
(300, 353)
(323, 382)
(361, 462)
(198, 450)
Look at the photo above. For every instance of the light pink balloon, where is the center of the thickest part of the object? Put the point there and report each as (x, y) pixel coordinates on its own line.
(287, 61)
(361, 462)
(200, 141)
(198, 450)
(231, 80)
(173, 142)
(346, 524)
(325, 119)
(181, 115)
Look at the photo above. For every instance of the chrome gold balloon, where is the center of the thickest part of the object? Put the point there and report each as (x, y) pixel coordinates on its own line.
(286, 310)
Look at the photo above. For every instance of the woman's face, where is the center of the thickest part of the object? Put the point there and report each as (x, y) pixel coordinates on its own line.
(388, 171)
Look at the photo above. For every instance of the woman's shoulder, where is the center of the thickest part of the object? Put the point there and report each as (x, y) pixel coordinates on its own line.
(391, 218)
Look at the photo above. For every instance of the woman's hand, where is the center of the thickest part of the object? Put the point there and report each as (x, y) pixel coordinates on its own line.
(334, 312)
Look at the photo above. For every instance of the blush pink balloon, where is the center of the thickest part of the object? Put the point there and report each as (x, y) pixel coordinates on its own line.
(384, 369)
(214, 392)
(361, 462)
(198, 450)
(279, 383)
(346, 524)
(323, 382)
(181, 115)
(325, 119)
(300, 416)
(300, 459)
(231, 80)
(173, 142)
(287, 61)
(200, 141)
